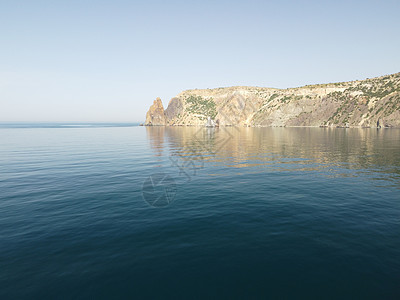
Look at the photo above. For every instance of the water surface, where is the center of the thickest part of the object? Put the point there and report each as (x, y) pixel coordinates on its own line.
(254, 212)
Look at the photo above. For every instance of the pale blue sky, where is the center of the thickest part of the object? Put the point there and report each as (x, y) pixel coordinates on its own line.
(108, 60)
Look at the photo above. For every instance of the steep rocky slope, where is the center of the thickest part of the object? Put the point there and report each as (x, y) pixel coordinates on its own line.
(368, 103)
(156, 116)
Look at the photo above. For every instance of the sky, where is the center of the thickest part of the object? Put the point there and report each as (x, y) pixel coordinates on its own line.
(106, 61)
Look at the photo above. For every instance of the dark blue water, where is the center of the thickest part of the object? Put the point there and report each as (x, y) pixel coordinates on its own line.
(229, 213)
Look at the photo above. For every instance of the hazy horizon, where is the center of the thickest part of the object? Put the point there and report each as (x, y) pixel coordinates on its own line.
(106, 62)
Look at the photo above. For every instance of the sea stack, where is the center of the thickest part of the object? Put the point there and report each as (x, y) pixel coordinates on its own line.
(156, 116)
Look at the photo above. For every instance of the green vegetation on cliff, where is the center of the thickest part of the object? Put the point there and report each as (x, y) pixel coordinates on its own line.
(372, 102)
(201, 106)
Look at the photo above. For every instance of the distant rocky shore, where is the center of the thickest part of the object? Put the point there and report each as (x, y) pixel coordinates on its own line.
(367, 103)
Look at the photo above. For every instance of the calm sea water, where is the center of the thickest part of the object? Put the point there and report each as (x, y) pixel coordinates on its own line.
(181, 213)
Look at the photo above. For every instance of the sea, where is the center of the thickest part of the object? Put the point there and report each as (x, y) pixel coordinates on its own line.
(116, 211)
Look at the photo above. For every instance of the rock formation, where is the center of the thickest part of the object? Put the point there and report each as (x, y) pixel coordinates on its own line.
(174, 109)
(156, 116)
(368, 103)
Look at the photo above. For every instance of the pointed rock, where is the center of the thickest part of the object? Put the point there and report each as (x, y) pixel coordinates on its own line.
(156, 116)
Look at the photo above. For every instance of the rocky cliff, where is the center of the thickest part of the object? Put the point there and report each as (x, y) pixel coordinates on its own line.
(156, 116)
(368, 103)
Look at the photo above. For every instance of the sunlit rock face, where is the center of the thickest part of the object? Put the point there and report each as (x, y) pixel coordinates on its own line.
(156, 115)
(372, 102)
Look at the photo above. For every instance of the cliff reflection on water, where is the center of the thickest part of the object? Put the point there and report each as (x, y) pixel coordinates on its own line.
(332, 151)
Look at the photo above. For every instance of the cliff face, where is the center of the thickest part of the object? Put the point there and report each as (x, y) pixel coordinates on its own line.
(156, 116)
(367, 103)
